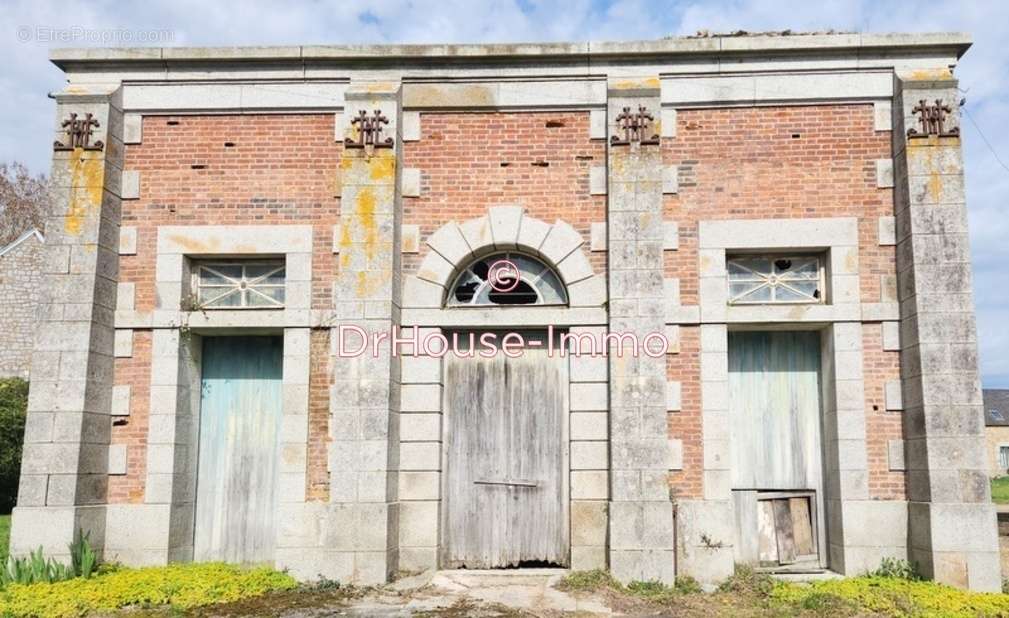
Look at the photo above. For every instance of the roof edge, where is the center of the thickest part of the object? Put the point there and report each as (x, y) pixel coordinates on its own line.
(717, 44)
(14, 245)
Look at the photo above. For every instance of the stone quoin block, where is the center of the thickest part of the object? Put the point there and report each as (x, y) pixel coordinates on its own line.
(127, 240)
(411, 182)
(411, 127)
(130, 188)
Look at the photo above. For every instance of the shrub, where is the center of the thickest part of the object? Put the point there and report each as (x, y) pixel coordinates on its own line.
(655, 591)
(686, 584)
(82, 558)
(747, 581)
(35, 568)
(181, 586)
(13, 407)
(588, 581)
(897, 568)
(827, 604)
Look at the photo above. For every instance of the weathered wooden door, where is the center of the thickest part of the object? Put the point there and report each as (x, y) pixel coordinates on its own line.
(506, 496)
(774, 405)
(776, 448)
(240, 414)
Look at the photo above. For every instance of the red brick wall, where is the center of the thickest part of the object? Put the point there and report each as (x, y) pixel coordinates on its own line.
(256, 170)
(279, 169)
(319, 381)
(745, 163)
(686, 425)
(735, 163)
(880, 426)
(136, 372)
(471, 161)
(782, 162)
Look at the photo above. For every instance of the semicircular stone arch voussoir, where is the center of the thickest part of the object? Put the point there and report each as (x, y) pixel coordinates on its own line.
(453, 246)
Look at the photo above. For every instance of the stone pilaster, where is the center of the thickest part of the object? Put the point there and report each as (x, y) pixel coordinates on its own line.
(364, 402)
(952, 529)
(640, 511)
(64, 470)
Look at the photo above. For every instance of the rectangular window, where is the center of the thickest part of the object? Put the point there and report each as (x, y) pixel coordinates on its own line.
(1003, 457)
(775, 279)
(246, 284)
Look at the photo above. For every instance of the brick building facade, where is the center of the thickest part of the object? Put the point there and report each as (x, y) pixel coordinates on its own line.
(787, 207)
(20, 280)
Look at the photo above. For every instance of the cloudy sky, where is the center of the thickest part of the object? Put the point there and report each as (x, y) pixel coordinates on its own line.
(29, 27)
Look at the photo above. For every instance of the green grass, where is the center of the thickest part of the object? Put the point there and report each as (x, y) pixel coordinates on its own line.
(1000, 490)
(5, 536)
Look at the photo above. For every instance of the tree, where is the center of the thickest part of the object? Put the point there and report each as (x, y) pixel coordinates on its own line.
(13, 408)
(24, 201)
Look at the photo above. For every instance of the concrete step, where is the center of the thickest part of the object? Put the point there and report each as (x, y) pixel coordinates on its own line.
(480, 578)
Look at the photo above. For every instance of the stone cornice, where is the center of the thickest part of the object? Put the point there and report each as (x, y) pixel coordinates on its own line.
(879, 49)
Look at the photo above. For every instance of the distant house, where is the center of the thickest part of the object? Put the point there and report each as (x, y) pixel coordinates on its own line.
(20, 280)
(996, 420)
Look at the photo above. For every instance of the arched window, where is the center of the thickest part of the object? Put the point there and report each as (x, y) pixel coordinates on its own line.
(507, 279)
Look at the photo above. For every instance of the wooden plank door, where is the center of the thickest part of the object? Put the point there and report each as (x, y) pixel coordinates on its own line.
(506, 497)
(240, 414)
(776, 448)
(774, 409)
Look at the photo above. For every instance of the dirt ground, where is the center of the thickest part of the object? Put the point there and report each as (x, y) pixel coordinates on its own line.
(541, 594)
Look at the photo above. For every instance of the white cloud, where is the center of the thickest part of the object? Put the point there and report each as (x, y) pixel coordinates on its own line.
(984, 72)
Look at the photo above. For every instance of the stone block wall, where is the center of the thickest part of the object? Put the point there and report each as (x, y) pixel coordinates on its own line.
(20, 289)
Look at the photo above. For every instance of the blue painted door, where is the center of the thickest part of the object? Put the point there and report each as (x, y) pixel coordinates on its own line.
(236, 483)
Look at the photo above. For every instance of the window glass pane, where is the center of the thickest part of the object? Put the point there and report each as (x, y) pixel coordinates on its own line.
(760, 294)
(738, 289)
(773, 279)
(265, 273)
(786, 295)
(806, 288)
(538, 284)
(551, 290)
(241, 284)
(748, 268)
(220, 274)
(265, 297)
(805, 269)
(230, 299)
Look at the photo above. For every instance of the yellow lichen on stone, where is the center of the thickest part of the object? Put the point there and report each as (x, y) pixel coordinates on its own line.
(85, 195)
(934, 186)
(929, 74)
(636, 84)
(365, 214)
(383, 167)
(420, 95)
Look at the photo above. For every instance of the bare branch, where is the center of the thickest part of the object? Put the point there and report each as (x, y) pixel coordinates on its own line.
(24, 201)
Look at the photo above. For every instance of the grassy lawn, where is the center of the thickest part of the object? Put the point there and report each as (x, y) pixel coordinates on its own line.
(5, 535)
(1000, 490)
